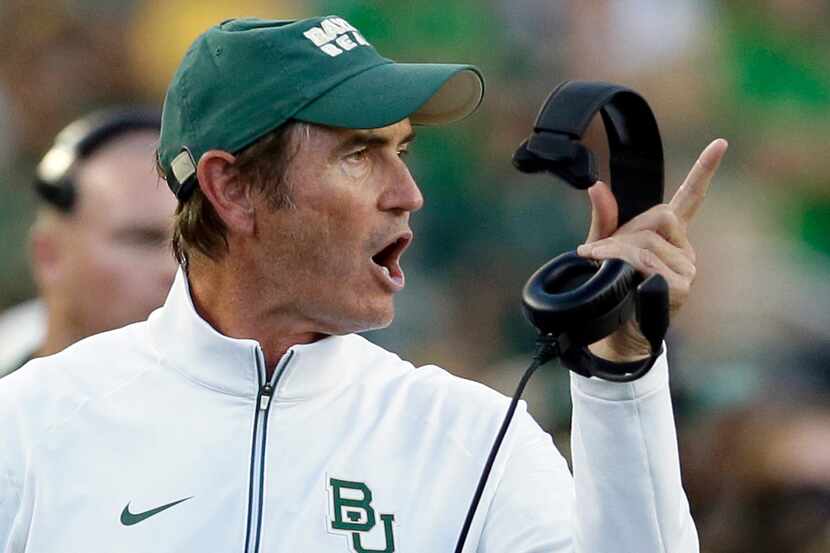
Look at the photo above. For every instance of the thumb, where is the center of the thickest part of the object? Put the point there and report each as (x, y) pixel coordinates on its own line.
(604, 212)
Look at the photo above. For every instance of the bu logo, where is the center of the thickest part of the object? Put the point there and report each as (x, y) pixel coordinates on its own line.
(352, 513)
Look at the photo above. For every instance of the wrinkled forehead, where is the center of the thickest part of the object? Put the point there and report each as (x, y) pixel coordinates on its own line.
(396, 132)
(335, 137)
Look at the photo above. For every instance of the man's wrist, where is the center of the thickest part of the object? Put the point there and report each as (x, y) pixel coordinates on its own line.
(613, 354)
(625, 345)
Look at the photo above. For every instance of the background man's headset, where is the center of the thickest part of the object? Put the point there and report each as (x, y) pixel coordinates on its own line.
(54, 182)
(573, 301)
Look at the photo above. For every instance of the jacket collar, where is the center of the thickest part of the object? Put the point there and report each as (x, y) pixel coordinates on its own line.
(187, 343)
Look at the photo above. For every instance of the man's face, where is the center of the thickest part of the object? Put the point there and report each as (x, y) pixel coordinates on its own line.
(116, 262)
(333, 256)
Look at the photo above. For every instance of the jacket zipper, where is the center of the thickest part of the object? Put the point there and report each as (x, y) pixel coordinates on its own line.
(256, 477)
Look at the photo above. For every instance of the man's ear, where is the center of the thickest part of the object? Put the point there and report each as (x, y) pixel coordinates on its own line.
(228, 195)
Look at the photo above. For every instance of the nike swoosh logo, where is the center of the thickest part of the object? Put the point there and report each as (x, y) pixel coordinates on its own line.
(128, 518)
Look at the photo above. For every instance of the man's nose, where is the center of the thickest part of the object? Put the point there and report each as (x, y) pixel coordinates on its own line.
(402, 192)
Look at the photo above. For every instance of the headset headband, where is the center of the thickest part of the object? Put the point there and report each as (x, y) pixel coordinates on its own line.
(79, 140)
(633, 140)
(571, 298)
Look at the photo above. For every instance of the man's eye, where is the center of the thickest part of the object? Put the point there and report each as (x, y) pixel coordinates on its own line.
(403, 153)
(358, 155)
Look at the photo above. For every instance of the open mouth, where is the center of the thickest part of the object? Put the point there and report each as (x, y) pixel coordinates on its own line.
(388, 259)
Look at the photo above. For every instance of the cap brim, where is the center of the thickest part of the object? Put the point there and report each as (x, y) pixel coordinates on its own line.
(427, 93)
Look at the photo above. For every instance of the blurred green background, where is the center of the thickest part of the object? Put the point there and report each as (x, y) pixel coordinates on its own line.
(754, 340)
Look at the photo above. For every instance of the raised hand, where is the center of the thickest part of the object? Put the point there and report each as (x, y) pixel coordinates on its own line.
(655, 241)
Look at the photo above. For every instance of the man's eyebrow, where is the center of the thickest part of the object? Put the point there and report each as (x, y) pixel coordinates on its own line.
(368, 138)
(409, 138)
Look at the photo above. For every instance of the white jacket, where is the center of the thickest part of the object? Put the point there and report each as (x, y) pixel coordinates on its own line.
(161, 437)
(22, 331)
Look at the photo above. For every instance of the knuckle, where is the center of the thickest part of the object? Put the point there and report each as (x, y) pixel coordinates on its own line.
(692, 272)
(600, 244)
(692, 255)
(648, 258)
(668, 218)
(652, 239)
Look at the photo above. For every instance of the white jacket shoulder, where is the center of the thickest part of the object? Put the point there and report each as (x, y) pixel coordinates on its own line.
(430, 395)
(49, 389)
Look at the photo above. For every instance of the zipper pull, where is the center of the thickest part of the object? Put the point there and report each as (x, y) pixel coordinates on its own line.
(265, 397)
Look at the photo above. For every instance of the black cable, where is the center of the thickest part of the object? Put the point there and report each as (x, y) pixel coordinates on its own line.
(547, 348)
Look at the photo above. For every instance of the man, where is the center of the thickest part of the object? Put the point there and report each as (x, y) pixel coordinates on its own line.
(99, 244)
(246, 415)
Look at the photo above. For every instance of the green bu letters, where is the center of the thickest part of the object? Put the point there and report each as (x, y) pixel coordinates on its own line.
(352, 512)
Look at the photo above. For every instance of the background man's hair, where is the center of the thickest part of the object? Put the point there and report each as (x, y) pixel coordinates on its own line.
(199, 229)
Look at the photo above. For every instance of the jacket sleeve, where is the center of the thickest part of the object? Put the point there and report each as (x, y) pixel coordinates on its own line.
(629, 497)
(11, 473)
(625, 495)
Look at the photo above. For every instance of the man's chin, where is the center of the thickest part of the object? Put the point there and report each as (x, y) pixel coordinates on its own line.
(373, 324)
(376, 326)
(368, 321)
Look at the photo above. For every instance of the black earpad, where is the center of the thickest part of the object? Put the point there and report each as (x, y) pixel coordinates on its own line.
(580, 298)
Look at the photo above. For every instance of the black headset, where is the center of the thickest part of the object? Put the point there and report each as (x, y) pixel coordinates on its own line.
(572, 299)
(79, 140)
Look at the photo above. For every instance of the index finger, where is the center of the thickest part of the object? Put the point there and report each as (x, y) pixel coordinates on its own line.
(689, 196)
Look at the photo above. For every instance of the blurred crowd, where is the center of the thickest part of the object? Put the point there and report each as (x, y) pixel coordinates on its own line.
(750, 354)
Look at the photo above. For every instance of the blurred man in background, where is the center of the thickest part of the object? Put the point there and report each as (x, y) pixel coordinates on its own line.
(759, 476)
(99, 241)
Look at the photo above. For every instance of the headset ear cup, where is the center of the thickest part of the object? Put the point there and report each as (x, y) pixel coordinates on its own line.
(576, 295)
(526, 161)
(581, 170)
(652, 308)
(559, 155)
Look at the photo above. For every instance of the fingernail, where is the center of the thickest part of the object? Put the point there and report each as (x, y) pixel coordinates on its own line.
(584, 249)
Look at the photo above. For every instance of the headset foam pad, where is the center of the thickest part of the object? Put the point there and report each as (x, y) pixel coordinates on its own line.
(571, 291)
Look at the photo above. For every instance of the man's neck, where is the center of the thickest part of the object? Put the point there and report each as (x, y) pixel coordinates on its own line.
(236, 308)
(59, 335)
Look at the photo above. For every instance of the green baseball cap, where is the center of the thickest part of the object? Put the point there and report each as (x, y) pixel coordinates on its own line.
(245, 77)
